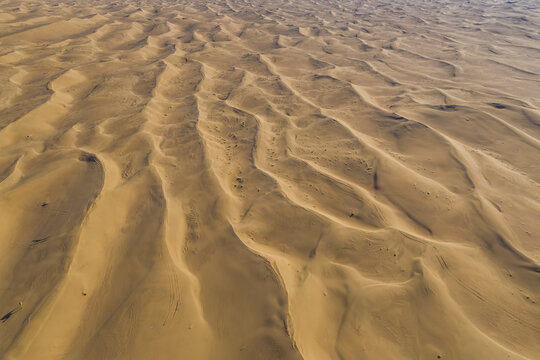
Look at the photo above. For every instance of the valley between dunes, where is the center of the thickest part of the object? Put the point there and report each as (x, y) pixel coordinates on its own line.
(269, 179)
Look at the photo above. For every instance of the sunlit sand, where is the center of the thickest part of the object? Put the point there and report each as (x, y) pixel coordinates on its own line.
(269, 180)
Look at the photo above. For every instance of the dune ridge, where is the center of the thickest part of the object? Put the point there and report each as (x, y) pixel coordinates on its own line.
(269, 180)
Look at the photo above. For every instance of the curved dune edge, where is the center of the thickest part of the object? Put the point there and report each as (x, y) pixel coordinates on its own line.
(283, 180)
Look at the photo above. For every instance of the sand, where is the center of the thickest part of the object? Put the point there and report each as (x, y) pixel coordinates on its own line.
(269, 179)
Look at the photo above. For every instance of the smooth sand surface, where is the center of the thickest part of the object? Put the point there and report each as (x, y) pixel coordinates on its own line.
(270, 179)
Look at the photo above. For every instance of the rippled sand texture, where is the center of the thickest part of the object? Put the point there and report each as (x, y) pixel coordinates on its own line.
(269, 180)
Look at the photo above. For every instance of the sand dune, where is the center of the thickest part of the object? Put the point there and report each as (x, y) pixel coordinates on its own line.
(269, 180)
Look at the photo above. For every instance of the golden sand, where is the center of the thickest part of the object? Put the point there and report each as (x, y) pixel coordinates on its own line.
(269, 179)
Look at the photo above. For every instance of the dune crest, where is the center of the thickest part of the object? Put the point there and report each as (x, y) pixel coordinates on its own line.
(269, 180)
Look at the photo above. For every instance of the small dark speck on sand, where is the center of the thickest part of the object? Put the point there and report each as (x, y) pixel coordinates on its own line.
(375, 181)
(91, 158)
(9, 314)
(37, 241)
(447, 107)
(498, 106)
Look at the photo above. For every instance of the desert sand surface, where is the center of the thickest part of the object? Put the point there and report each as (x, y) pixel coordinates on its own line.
(270, 179)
